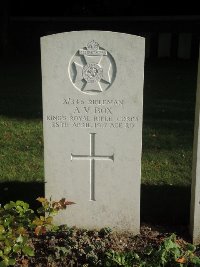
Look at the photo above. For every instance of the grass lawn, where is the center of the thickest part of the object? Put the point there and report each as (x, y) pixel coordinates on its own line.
(21, 137)
(21, 150)
(169, 102)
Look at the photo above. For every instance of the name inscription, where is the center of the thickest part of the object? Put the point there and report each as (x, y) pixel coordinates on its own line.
(108, 113)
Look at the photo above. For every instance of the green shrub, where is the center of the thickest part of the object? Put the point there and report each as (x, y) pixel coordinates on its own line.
(29, 238)
(70, 246)
(15, 220)
(18, 221)
(169, 254)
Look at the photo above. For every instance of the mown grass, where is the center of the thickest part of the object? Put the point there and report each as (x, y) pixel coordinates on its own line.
(21, 136)
(169, 104)
(21, 146)
(169, 98)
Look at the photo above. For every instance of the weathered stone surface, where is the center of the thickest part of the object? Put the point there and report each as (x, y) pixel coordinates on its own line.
(92, 106)
(195, 193)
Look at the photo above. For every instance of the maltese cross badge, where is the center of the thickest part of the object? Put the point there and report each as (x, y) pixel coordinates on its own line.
(92, 69)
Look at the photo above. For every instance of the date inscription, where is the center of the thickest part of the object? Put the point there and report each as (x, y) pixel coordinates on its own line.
(94, 114)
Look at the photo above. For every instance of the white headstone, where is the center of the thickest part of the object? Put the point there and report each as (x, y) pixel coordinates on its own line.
(164, 45)
(92, 113)
(184, 45)
(195, 192)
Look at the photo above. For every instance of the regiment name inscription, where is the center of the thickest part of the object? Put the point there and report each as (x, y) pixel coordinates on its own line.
(93, 114)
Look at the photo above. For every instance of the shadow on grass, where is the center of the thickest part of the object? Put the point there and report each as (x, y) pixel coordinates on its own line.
(27, 192)
(21, 88)
(168, 205)
(165, 204)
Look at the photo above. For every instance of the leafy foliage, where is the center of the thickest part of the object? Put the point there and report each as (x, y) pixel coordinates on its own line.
(29, 238)
(51, 208)
(17, 221)
(169, 254)
(70, 246)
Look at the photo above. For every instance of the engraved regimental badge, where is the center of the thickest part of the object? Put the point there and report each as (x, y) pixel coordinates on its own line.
(92, 69)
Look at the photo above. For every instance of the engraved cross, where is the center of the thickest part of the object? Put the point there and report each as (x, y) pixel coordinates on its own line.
(92, 157)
